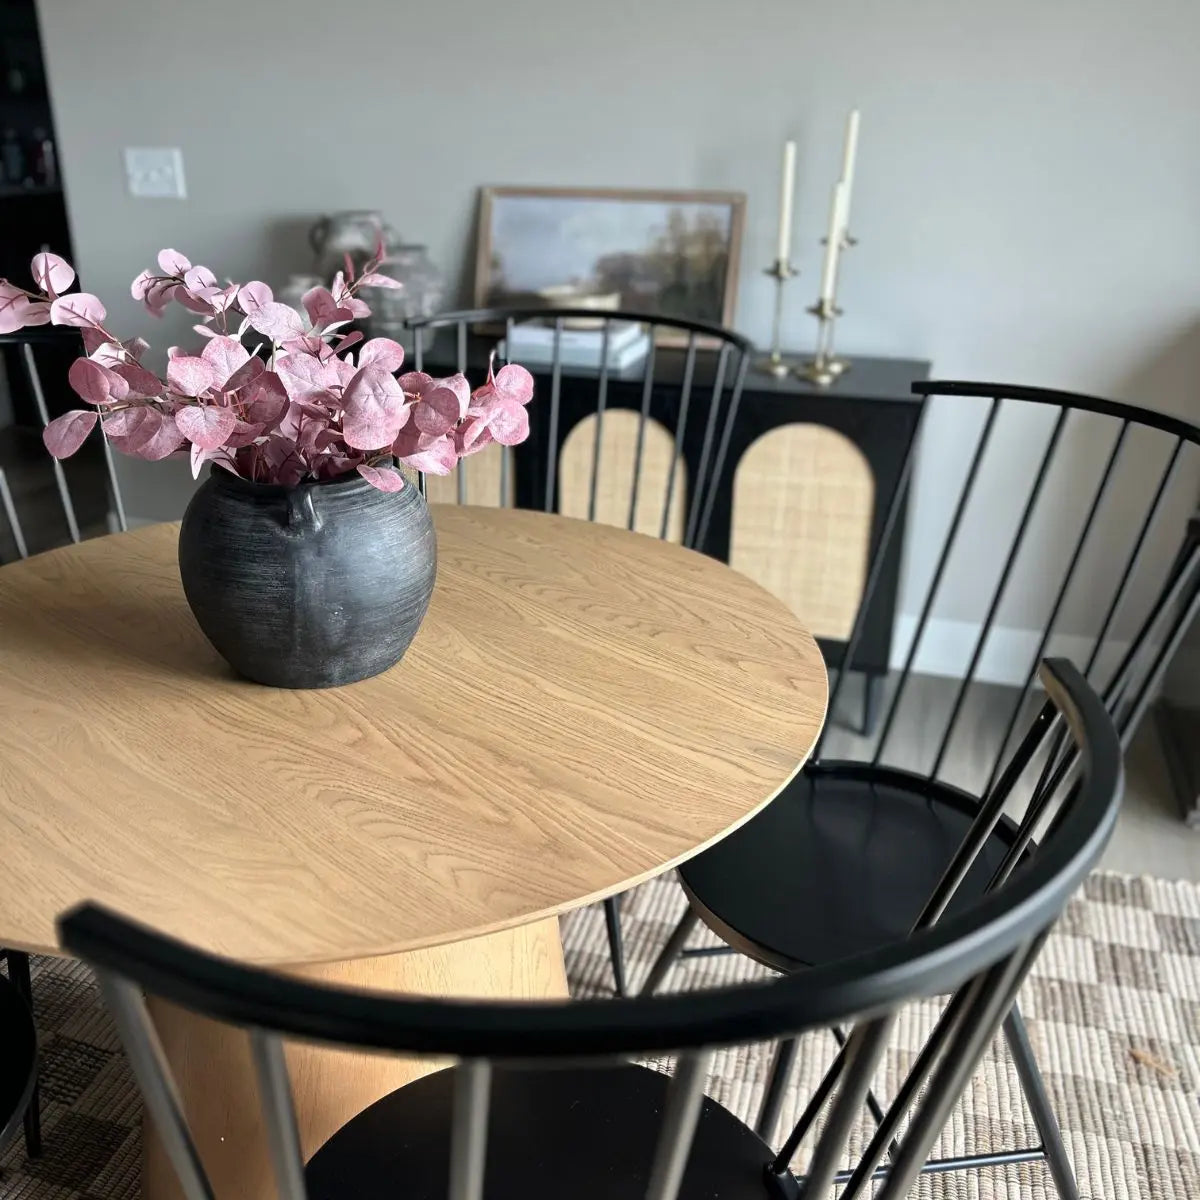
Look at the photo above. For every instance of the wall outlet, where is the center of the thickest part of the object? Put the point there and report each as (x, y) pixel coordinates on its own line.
(155, 172)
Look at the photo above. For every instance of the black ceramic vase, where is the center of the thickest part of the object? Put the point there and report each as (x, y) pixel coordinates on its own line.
(307, 587)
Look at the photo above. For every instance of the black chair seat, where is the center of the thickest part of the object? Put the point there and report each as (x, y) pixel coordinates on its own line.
(18, 1060)
(579, 1132)
(841, 862)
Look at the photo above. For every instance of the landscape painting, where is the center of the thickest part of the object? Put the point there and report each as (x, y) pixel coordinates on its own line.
(669, 254)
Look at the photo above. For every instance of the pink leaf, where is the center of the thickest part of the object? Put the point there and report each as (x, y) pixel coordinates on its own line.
(509, 424)
(143, 433)
(206, 331)
(37, 313)
(277, 321)
(472, 436)
(190, 375)
(380, 281)
(80, 309)
(141, 285)
(374, 410)
(416, 383)
(205, 425)
(96, 384)
(199, 455)
(171, 262)
(195, 302)
(515, 383)
(438, 411)
(386, 479)
(439, 458)
(348, 263)
(143, 384)
(225, 355)
(267, 402)
(247, 373)
(198, 278)
(158, 295)
(253, 296)
(323, 310)
(357, 308)
(347, 340)
(64, 435)
(244, 432)
(51, 273)
(137, 347)
(383, 353)
(13, 305)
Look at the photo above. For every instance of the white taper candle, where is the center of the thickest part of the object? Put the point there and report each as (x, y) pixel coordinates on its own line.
(833, 241)
(785, 200)
(849, 156)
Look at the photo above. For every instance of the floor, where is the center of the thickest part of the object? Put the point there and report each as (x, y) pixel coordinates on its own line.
(1151, 837)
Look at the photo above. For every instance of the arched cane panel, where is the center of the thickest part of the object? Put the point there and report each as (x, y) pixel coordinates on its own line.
(618, 458)
(803, 497)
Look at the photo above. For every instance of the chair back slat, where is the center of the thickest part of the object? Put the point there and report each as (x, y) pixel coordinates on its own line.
(153, 1074)
(468, 1135)
(862, 1053)
(1068, 577)
(684, 1099)
(991, 997)
(10, 513)
(890, 525)
(279, 1109)
(999, 590)
(935, 582)
(601, 405)
(685, 399)
(714, 405)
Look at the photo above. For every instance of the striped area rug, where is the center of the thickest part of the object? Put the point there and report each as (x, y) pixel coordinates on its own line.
(1113, 1009)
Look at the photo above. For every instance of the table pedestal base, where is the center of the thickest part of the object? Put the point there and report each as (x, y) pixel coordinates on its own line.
(216, 1079)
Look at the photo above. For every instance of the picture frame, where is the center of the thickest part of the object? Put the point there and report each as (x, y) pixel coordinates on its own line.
(666, 252)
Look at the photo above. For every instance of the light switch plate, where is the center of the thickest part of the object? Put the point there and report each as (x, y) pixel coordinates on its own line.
(155, 172)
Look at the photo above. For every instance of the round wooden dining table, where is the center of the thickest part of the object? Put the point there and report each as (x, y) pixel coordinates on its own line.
(582, 709)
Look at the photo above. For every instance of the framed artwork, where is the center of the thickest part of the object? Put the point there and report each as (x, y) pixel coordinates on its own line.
(669, 253)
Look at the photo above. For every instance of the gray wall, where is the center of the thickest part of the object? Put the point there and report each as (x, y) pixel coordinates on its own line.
(1027, 196)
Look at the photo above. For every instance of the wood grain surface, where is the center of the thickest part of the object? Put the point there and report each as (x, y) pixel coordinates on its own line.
(582, 709)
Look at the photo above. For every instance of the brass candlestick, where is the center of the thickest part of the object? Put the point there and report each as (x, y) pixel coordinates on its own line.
(825, 367)
(781, 271)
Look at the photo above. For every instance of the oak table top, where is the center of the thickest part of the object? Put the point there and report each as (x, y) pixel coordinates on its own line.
(582, 709)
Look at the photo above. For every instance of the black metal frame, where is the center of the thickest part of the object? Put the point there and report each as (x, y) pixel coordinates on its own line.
(1126, 694)
(978, 955)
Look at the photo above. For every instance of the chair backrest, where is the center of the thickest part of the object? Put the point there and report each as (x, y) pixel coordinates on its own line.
(979, 956)
(1059, 527)
(36, 363)
(628, 443)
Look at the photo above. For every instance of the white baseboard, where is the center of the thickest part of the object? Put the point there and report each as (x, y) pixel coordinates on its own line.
(947, 647)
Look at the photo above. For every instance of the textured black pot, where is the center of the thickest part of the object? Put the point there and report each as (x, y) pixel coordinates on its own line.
(307, 587)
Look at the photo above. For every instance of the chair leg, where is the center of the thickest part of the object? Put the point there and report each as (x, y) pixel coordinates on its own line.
(781, 1068)
(670, 952)
(616, 944)
(1034, 1088)
(870, 706)
(18, 974)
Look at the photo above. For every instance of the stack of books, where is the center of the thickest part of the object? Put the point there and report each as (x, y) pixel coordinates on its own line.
(533, 345)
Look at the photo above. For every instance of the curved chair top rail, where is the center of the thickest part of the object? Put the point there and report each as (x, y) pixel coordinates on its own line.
(1077, 400)
(934, 961)
(484, 316)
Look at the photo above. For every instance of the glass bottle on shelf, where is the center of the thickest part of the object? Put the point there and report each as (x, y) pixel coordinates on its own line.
(12, 158)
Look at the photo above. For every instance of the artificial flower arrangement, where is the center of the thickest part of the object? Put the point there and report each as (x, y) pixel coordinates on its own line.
(306, 401)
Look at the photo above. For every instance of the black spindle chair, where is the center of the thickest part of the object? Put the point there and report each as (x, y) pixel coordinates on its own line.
(542, 1101)
(50, 519)
(631, 446)
(882, 834)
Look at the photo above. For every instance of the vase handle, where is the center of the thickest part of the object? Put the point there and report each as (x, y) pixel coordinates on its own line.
(302, 516)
